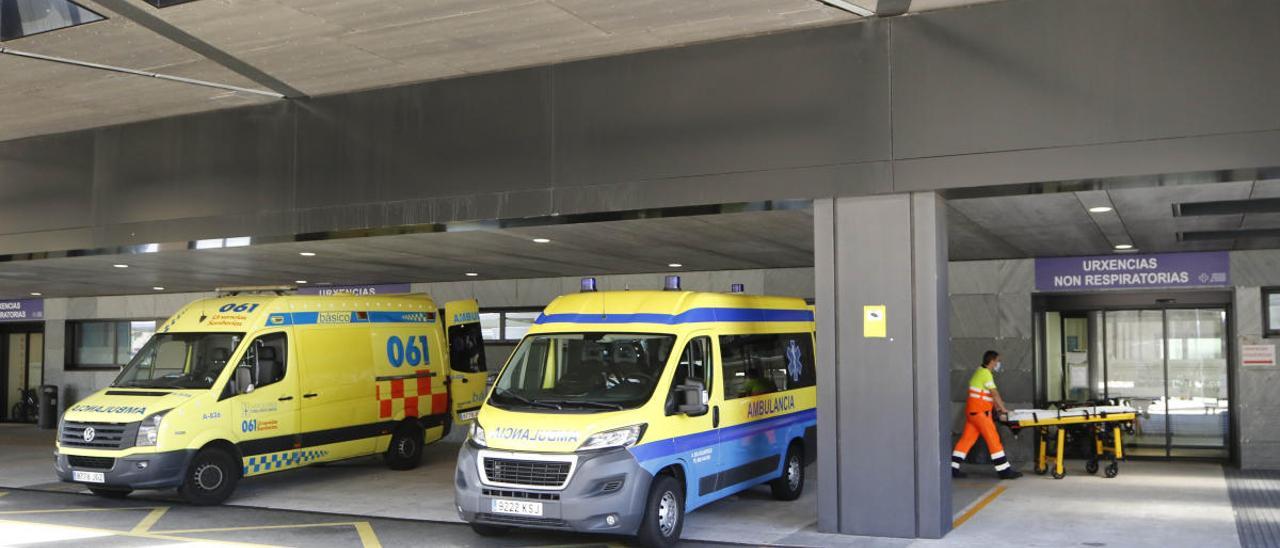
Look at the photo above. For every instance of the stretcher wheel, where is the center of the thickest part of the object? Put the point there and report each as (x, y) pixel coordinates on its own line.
(1041, 470)
(1091, 466)
(1113, 470)
(1059, 475)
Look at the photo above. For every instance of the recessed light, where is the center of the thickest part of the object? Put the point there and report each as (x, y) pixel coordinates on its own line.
(307, 253)
(675, 265)
(158, 288)
(1124, 246)
(120, 265)
(541, 241)
(36, 293)
(473, 274)
(1099, 209)
(300, 282)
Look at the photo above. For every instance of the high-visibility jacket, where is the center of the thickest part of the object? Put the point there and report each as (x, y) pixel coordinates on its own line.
(980, 386)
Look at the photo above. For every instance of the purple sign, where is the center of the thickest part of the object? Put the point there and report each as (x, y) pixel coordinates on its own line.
(358, 290)
(1157, 270)
(22, 310)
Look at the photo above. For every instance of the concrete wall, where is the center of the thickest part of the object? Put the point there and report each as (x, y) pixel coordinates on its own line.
(1255, 389)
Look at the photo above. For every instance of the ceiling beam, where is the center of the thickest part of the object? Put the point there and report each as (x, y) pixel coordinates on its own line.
(113, 68)
(149, 21)
(851, 7)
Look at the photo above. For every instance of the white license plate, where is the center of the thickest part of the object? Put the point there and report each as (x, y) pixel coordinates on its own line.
(517, 507)
(468, 415)
(88, 477)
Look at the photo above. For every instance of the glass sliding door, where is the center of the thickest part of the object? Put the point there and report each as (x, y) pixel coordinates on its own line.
(1135, 369)
(1196, 408)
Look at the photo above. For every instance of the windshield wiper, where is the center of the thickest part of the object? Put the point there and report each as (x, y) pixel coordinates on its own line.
(586, 403)
(526, 401)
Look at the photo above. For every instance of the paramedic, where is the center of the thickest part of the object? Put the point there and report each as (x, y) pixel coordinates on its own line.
(978, 419)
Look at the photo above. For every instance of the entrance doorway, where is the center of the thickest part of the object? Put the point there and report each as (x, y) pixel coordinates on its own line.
(22, 352)
(1169, 357)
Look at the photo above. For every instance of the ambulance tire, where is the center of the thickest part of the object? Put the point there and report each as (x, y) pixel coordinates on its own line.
(210, 478)
(490, 530)
(110, 493)
(405, 451)
(664, 514)
(790, 484)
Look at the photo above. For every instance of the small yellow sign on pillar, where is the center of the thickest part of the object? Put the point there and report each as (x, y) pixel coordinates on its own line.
(873, 323)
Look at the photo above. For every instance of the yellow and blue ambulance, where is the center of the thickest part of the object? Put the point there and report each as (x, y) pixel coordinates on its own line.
(254, 382)
(620, 411)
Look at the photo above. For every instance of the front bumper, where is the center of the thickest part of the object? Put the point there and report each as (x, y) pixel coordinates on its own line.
(585, 503)
(137, 471)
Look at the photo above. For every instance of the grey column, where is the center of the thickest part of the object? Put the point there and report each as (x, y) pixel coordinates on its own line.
(883, 441)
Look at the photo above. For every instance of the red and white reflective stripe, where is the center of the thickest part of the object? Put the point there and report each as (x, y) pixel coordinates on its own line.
(957, 454)
(1002, 467)
(997, 454)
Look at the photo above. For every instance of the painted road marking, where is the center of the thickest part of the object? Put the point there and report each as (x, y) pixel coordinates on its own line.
(363, 528)
(72, 510)
(975, 507)
(150, 520)
(56, 532)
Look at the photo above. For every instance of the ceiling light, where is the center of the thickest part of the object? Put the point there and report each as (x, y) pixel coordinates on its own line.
(1099, 209)
(120, 265)
(1123, 247)
(307, 253)
(473, 274)
(158, 288)
(675, 265)
(541, 241)
(300, 282)
(36, 293)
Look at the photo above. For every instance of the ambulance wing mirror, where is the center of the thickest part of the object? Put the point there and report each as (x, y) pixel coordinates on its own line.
(244, 379)
(693, 398)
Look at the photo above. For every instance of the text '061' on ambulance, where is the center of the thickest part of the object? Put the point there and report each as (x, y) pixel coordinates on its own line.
(620, 411)
(256, 381)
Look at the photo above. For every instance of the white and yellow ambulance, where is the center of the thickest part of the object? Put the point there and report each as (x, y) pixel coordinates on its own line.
(253, 382)
(621, 411)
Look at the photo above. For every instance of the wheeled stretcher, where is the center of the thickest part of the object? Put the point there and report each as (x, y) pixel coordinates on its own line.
(1103, 424)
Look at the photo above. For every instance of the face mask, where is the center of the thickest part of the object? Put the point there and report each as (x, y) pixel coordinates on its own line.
(998, 367)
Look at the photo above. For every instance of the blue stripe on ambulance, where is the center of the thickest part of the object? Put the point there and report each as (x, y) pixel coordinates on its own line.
(311, 318)
(696, 315)
(737, 446)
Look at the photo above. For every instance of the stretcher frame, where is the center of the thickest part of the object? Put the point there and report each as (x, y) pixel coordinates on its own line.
(1105, 430)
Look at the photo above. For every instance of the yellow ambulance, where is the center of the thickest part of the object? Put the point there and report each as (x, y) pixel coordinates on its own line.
(253, 382)
(621, 411)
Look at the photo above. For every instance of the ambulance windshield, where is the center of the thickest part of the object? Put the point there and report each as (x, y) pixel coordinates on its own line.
(583, 371)
(179, 360)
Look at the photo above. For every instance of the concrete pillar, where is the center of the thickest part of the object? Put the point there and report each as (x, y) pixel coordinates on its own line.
(884, 437)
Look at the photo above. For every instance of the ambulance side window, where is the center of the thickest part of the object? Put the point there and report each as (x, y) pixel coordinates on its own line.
(466, 348)
(694, 365)
(754, 365)
(267, 358)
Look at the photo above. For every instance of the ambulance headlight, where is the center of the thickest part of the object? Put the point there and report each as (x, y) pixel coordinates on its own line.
(477, 434)
(620, 437)
(149, 430)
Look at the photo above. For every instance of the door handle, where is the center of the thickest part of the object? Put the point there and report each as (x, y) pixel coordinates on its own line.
(311, 395)
(715, 416)
(284, 398)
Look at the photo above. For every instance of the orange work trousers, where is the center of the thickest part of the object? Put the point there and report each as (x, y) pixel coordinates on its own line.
(979, 422)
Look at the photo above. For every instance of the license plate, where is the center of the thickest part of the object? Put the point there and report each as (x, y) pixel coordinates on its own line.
(518, 507)
(468, 415)
(88, 477)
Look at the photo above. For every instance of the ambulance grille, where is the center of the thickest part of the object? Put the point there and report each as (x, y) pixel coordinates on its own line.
(534, 473)
(521, 520)
(511, 494)
(103, 463)
(105, 435)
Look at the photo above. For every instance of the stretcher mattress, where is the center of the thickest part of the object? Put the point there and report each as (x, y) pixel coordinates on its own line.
(1029, 417)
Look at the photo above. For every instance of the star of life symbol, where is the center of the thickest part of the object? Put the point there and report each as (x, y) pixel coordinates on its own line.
(794, 367)
(1204, 278)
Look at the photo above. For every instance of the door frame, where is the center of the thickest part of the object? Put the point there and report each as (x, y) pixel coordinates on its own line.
(10, 328)
(1144, 300)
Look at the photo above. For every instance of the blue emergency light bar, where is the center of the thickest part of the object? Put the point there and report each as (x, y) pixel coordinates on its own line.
(588, 285)
(737, 288)
(672, 283)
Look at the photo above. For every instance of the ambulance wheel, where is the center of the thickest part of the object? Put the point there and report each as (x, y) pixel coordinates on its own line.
(1112, 470)
(111, 493)
(1091, 466)
(405, 451)
(1059, 475)
(790, 484)
(210, 478)
(664, 514)
(490, 530)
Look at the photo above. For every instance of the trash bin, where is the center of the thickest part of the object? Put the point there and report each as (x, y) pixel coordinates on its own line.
(48, 404)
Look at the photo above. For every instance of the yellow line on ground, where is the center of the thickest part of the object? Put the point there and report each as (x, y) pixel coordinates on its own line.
(257, 527)
(154, 536)
(979, 506)
(367, 537)
(69, 510)
(150, 520)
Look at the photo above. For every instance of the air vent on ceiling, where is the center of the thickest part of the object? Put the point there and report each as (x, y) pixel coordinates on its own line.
(1243, 234)
(1227, 207)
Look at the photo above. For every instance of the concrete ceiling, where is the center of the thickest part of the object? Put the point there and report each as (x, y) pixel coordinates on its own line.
(319, 47)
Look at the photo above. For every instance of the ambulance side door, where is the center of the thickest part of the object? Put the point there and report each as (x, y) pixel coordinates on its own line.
(699, 434)
(468, 371)
(267, 417)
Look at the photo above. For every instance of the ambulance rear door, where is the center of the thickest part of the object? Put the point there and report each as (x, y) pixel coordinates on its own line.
(468, 371)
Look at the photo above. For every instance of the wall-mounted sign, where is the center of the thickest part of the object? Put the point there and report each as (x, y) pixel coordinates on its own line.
(873, 321)
(1257, 355)
(358, 290)
(22, 310)
(1156, 270)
